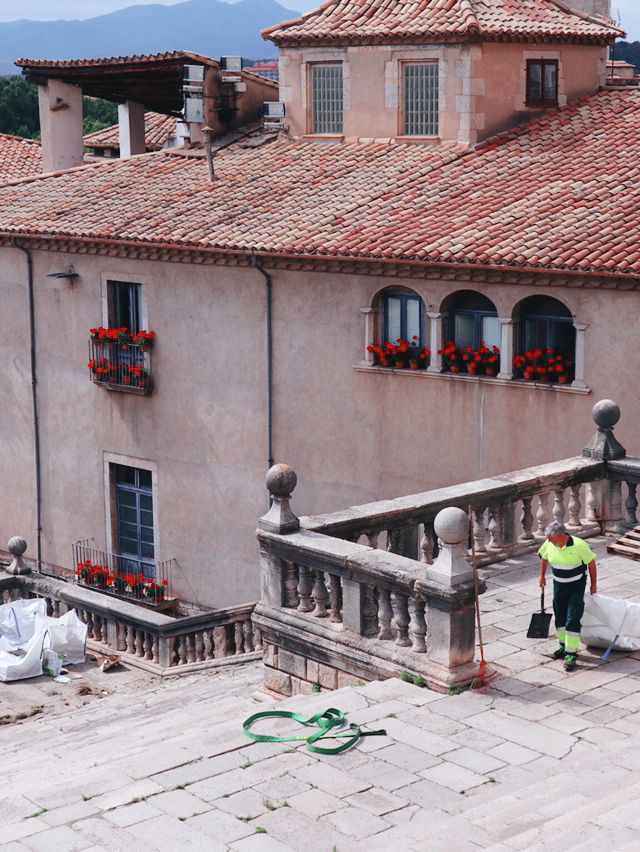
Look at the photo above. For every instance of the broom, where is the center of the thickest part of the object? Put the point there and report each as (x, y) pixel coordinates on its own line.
(486, 675)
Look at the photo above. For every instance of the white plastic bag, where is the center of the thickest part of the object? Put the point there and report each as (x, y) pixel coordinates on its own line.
(29, 663)
(51, 663)
(26, 612)
(68, 635)
(9, 622)
(605, 617)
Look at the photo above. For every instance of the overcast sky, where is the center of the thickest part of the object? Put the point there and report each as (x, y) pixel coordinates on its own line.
(43, 10)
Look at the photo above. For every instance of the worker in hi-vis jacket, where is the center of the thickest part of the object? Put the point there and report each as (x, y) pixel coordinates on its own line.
(570, 558)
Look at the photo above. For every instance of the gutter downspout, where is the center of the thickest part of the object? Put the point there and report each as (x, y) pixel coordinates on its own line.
(255, 263)
(34, 400)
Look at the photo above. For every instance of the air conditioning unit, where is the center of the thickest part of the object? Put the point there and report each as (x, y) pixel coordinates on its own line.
(231, 63)
(273, 115)
(194, 110)
(193, 78)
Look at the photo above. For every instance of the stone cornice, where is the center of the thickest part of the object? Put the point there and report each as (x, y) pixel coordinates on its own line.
(314, 263)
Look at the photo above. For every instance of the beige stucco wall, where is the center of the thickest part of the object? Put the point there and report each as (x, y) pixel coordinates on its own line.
(482, 87)
(501, 80)
(352, 436)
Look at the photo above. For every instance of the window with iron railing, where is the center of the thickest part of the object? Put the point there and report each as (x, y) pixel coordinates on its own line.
(326, 98)
(421, 99)
(542, 82)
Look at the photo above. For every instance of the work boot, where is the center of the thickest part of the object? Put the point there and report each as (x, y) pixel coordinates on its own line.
(560, 654)
(570, 662)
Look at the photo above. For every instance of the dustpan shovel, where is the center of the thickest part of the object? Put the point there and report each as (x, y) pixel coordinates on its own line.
(540, 621)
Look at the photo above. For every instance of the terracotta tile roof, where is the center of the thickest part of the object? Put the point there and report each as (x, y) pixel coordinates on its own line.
(397, 21)
(158, 130)
(136, 59)
(560, 193)
(19, 158)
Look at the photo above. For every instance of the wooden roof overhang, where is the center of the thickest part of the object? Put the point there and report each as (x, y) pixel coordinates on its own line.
(154, 81)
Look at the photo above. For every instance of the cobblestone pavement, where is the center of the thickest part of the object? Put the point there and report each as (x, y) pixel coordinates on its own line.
(543, 761)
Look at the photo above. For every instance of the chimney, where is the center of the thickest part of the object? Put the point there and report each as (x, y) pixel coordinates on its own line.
(595, 8)
(60, 125)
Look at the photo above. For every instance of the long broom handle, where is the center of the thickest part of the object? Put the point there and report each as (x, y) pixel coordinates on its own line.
(474, 564)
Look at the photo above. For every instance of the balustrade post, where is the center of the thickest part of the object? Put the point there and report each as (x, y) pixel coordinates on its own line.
(427, 544)
(631, 504)
(352, 605)
(320, 595)
(17, 547)
(542, 515)
(400, 619)
(558, 511)
(291, 599)
(594, 502)
(385, 614)
(417, 625)
(164, 651)
(335, 598)
(575, 507)
(369, 611)
(451, 567)
(604, 445)
(110, 627)
(479, 530)
(305, 588)
(281, 481)
(613, 512)
(495, 528)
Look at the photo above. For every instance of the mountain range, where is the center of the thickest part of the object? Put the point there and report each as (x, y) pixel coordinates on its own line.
(204, 26)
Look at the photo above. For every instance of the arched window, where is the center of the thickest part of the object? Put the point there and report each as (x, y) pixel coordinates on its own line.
(402, 315)
(546, 340)
(399, 330)
(473, 318)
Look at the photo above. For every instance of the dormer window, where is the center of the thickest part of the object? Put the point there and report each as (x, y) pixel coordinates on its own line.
(326, 98)
(542, 83)
(420, 99)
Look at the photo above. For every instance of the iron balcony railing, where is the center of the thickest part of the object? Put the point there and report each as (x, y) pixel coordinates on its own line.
(140, 580)
(120, 366)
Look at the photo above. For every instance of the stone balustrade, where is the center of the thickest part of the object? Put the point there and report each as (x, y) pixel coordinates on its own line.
(385, 587)
(145, 638)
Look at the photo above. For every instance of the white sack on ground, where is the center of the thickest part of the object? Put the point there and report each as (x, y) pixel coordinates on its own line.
(29, 664)
(68, 635)
(605, 617)
(9, 629)
(26, 613)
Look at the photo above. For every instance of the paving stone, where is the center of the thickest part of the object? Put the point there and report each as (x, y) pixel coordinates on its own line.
(259, 843)
(282, 788)
(407, 758)
(384, 774)
(357, 823)
(198, 770)
(246, 803)
(130, 814)
(18, 830)
(316, 803)
(179, 803)
(301, 833)
(513, 754)
(377, 801)
(454, 777)
(70, 813)
(100, 831)
(394, 688)
(127, 794)
(519, 731)
(60, 838)
(474, 760)
(417, 738)
(331, 780)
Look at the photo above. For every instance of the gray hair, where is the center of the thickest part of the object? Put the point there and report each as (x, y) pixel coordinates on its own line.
(556, 528)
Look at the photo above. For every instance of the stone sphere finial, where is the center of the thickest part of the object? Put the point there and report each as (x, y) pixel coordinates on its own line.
(606, 413)
(281, 480)
(452, 525)
(16, 547)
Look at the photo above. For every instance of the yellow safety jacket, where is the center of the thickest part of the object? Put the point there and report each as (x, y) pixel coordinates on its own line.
(568, 563)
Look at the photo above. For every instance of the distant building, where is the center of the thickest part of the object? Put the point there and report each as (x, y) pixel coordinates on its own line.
(160, 131)
(268, 70)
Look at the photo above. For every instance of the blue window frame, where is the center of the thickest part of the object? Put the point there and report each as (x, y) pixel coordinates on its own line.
(402, 317)
(545, 323)
(134, 519)
(473, 318)
(124, 306)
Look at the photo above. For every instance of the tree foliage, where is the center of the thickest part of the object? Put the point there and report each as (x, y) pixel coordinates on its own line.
(629, 51)
(19, 109)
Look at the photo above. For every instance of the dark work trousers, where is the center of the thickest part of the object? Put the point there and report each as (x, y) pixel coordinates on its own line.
(568, 604)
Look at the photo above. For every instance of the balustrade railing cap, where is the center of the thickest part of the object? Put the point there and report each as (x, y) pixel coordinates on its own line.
(16, 547)
(281, 481)
(604, 445)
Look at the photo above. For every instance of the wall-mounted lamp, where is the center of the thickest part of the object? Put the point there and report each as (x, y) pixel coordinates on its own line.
(70, 274)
